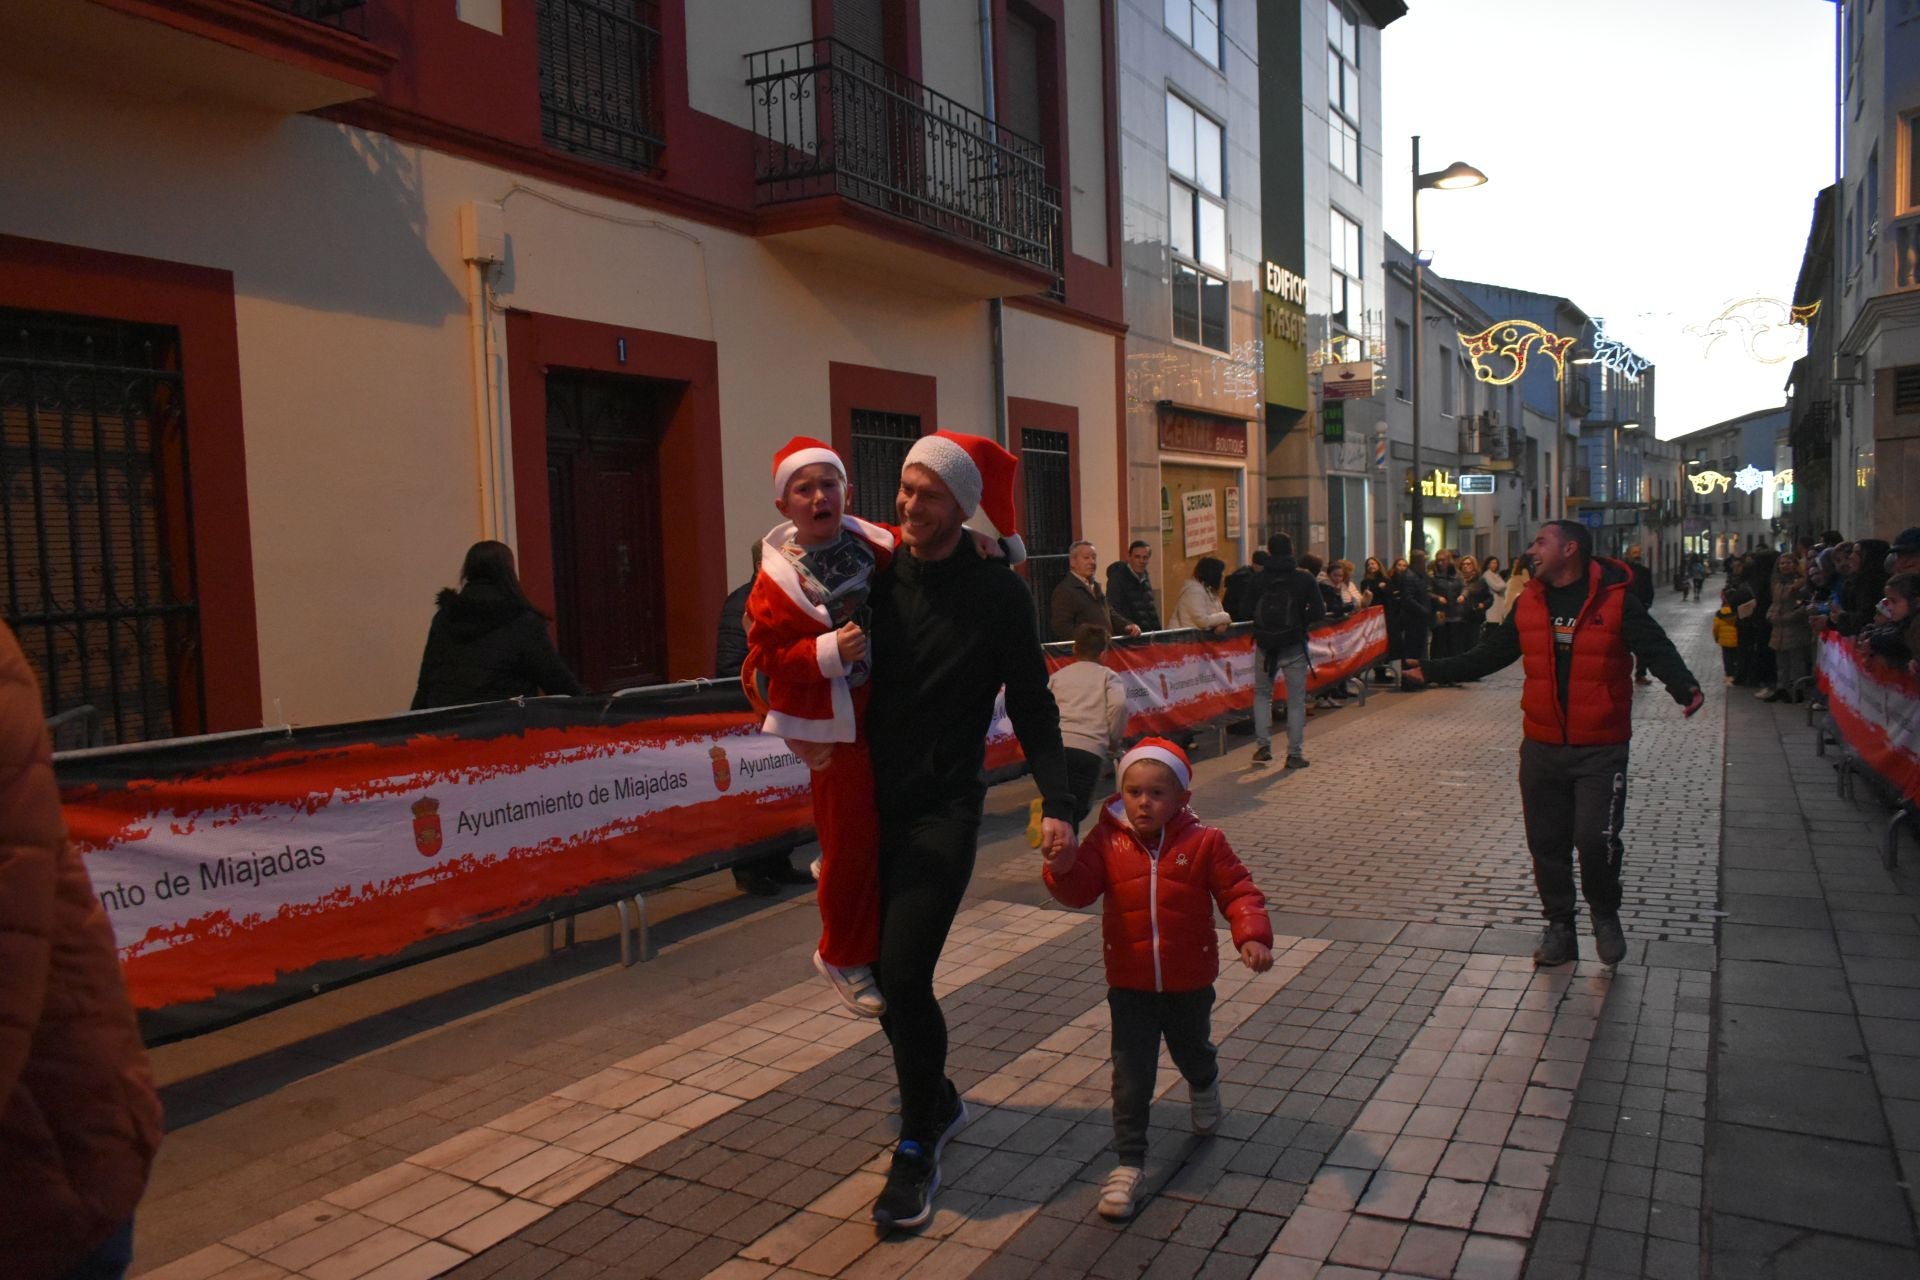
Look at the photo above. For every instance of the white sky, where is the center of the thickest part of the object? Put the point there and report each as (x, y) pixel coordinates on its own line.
(1652, 160)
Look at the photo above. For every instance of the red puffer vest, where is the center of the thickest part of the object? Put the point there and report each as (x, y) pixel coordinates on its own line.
(1599, 710)
(1158, 919)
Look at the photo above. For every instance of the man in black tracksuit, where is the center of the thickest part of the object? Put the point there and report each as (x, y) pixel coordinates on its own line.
(950, 630)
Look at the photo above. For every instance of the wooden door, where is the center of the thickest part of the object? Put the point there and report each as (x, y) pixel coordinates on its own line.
(603, 480)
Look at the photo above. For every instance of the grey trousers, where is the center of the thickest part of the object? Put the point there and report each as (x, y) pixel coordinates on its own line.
(1140, 1019)
(1574, 800)
(1293, 666)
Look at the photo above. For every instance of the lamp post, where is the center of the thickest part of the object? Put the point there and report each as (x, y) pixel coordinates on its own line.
(1455, 176)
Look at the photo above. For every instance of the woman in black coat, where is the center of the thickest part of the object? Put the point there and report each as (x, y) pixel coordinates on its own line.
(1755, 631)
(487, 642)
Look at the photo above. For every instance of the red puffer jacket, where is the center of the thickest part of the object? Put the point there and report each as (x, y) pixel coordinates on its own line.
(1158, 921)
(1599, 708)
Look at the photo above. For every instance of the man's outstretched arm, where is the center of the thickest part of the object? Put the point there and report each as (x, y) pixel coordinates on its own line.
(1499, 647)
(1649, 642)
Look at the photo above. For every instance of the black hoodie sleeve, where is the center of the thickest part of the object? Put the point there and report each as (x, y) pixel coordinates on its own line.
(1499, 647)
(1648, 641)
(539, 661)
(1030, 704)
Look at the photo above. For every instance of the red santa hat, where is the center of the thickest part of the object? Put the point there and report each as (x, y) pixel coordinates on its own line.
(980, 473)
(1160, 751)
(802, 451)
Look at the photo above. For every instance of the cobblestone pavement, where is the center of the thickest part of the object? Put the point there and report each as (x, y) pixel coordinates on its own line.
(1405, 1094)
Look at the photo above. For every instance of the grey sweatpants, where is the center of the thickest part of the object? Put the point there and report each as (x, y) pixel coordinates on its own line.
(1574, 799)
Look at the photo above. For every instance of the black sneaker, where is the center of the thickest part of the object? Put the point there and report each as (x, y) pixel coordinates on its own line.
(1263, 755)
(907, 1199)
(1608, 940)
(1296, 762)
(1557, 946)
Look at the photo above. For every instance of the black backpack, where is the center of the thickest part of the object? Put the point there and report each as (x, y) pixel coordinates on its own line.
(1278, 620)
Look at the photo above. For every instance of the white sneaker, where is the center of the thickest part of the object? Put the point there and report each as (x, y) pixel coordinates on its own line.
(1204, 1105)
(1118, 1199)
(856, 987)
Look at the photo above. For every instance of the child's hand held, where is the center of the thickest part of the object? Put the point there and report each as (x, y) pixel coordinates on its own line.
(852, 642)
(1257, 956)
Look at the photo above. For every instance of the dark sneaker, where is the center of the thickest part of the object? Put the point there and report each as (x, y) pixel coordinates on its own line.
(1557, 946)
(1608, 940)
(956, 1120)
(1263, 755)
(1296, 762)
(907, 1199)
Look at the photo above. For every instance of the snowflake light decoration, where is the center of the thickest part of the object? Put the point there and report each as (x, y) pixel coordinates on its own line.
(1615, 354)
(1749, 478)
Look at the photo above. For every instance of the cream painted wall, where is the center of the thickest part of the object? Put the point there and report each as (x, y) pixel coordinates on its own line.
(355, 354)
(950, 50)
(720, 33)
(1086, 129)
(1065, 364)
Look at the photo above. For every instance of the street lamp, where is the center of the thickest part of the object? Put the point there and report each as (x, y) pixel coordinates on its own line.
(1452, 178)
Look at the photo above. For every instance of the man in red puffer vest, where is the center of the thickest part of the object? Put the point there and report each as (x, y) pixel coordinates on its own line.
(1577, 628)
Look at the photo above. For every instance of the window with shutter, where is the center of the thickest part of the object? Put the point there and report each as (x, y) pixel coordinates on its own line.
(96, 517)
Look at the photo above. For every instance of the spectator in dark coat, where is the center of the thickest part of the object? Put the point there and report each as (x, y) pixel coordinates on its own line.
(1130, 591)
(1448, 590)
(1411, 611)
(1078, 599)
(1866, 582)
(1757, 661)
(488, 642)
(1238, 595)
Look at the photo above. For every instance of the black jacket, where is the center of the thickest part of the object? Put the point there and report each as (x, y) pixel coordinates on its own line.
(1283, 573)
(1076, 603)
(1237, 596)
(1449, 586)
(1475, 601)
(1379, 588)
(1642, 582)
(1412, 597)
(484, 646)
(1131, 596)
(952, 633)
(730, 646)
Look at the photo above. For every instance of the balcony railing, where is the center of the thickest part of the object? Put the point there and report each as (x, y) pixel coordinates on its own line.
(829, 120)
(346, 15)
(599, 80)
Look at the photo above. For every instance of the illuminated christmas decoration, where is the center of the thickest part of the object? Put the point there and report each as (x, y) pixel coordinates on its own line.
(1784, 478)
(1705, 482)
(1513, 340)
(1750, 478)
(1771, 330)
(1615, 354)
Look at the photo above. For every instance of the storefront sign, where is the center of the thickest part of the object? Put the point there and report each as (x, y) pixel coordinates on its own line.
(1202, 433)
(1200, 526)
(1437, 485)
(1166, 516)
(1347, 381)
(1233, 509)
(1333, 421)
(1283, 336)
(1479, 482)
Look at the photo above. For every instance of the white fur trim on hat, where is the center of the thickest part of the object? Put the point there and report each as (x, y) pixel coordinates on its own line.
(1160, 754)
(950, 462)
(783, 474)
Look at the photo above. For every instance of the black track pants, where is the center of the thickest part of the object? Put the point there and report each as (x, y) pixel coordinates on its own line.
(1575, 799)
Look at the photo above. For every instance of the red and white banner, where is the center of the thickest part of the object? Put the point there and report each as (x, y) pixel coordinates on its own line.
(241, 872)
(1176, 680)
(1876, 708)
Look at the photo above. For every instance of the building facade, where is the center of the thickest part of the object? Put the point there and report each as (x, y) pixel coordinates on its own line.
(1874, 470)
(1733, 484)
(298, 308)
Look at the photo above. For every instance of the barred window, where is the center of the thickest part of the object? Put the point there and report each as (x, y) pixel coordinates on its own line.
(880, 444)
(97, 520)
(1046, 463)
(599, 80)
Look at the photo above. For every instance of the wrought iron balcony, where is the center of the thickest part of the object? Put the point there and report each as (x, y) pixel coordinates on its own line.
(346, 15)
(830, 121)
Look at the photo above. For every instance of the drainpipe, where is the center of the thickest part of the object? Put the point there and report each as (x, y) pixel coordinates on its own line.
(482, 246)
(996, 309)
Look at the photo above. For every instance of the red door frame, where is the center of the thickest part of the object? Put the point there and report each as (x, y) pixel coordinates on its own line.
(692, 516)
(38, 275)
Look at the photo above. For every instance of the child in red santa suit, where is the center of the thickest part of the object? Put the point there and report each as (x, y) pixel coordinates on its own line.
(1162, 872)
(806, 670)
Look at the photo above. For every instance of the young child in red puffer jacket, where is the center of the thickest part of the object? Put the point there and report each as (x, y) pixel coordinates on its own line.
(1162, 872)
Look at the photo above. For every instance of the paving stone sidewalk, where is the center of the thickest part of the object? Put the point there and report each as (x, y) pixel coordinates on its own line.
(1406, 1095)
